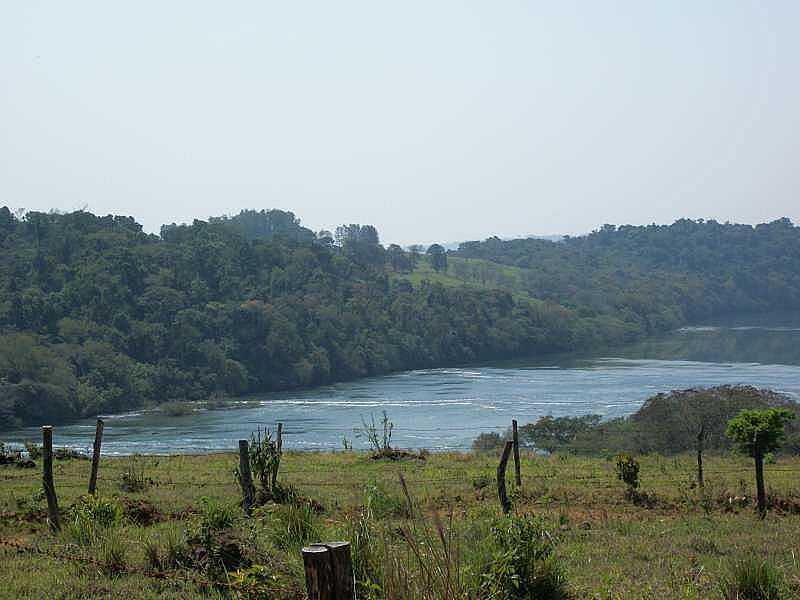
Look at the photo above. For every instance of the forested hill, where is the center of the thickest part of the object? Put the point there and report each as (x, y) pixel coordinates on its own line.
(659, 276)
(98, 316)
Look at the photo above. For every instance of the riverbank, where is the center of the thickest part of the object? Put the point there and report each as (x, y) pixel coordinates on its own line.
(677, 544)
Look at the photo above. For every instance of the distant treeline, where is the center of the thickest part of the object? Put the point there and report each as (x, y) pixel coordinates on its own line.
(634, 280)
(98, 316)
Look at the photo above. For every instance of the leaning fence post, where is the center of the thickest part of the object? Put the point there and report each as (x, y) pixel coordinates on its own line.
(98, 438)
(501, 478)
(279, 447)
(47, 478)
(515, 439)
(329, 571)
(245, 477)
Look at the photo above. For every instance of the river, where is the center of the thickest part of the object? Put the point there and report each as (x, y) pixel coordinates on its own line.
(446, 408)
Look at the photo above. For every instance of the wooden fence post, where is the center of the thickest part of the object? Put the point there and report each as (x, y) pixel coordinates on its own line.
(700, 435)
(279, 446)
(329, 571)
(319, 573)
(98, 438)
(501, 478)
(515, 438)
(47, 478)
(344, 582)
(245, 477)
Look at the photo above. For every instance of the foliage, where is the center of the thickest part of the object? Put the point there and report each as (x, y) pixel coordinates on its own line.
(33, 449)
(97, 316)
(134, 477)
(752, 579)
(265, 460)
(296, 525)
(554, 433)
(488, 441)
(91, 516)
(627, 470)
(757, 432)
(667, 423)
(176, 409)
(215, 515)
(523, 566)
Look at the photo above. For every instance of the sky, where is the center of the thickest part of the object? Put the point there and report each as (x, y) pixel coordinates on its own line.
(434, 120)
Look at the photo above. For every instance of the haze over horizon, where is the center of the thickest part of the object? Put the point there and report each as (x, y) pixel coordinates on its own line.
(435, 122)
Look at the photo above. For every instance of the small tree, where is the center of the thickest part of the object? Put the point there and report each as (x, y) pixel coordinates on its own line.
(627, 469)
(757, 432)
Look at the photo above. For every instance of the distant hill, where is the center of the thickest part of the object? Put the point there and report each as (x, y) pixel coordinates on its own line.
(98, 316)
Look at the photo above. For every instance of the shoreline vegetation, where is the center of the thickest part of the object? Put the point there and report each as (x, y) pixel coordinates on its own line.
(97, 316)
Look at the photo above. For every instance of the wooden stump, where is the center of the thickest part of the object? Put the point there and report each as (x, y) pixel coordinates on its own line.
(329, 571)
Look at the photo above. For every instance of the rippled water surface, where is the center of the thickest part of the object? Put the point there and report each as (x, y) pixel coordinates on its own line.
(446, 408)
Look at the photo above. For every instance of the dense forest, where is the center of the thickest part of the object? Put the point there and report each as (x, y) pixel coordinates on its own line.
(653, 278)
(98, 316)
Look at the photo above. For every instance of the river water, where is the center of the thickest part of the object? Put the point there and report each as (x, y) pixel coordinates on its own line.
(446, 408)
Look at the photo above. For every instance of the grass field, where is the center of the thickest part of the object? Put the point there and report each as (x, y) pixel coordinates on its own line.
(677, 543)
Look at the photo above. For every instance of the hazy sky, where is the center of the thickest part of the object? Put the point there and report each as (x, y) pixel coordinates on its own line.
(433, 120)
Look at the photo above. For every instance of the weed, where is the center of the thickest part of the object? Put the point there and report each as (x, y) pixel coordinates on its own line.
(91, 517)
(752, 579)
(296, 526)
(113, 554)
(481, 481)
(215, 515)
(379, 440)
(133, 478)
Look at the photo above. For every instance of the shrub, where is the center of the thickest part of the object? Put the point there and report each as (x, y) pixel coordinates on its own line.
(481, 481)
(752, 579)
(176, 409)
(627, 468)
(34, 450)
(523, 566)
(488, 441)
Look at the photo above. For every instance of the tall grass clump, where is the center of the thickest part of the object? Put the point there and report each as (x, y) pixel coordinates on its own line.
(215, 515)
(296, 525)
(91, 517)
(113, 554)
(752, 579)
